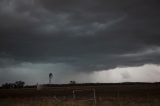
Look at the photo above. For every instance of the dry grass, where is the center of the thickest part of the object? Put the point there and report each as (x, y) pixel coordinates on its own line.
(109, 95)
(43, 101)
(50, 101)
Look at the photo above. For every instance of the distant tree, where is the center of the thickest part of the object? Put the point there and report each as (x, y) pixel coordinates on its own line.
(8, 85)
(19, 84)
(72, 82)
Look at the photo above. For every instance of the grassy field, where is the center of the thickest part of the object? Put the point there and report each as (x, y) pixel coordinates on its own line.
(49, 101)
(106, 95)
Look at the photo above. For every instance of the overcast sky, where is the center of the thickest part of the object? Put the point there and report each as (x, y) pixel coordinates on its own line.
(81, 40)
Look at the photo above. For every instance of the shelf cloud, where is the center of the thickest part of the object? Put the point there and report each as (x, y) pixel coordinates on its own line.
(77, 36)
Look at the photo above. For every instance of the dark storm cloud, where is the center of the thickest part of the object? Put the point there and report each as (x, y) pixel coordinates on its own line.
(89, 35)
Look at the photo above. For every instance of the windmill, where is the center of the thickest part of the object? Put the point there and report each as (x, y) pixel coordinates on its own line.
(50, 77)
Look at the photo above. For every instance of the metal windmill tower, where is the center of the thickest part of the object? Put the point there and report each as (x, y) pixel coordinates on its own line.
(50, 77)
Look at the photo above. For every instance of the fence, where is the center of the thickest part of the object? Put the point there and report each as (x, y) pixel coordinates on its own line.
(77, 96)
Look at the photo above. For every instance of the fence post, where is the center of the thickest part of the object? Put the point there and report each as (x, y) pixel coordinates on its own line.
(74, 95)
(94, 94)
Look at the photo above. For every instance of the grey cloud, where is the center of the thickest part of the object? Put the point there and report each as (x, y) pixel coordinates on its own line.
(89, 35)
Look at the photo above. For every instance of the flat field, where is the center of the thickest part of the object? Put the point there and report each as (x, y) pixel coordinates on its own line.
(105, 95)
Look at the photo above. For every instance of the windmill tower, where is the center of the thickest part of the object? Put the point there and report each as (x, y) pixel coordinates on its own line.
(50, 77)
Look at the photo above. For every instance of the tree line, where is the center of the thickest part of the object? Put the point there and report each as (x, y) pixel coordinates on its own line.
(17, 84)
